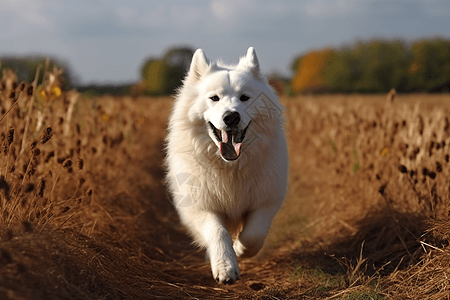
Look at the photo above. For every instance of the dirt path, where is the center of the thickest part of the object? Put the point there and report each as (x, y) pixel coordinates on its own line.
(273, 273)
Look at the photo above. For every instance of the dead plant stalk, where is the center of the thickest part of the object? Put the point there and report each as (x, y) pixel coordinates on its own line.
(30, 110)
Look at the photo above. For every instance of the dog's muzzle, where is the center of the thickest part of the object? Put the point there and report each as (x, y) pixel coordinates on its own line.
(230, 139)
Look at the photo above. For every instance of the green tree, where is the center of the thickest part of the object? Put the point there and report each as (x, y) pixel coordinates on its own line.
(383, 66)
(377, 66)
(430, 66)
(176, 62)
(155, 78)
(342, 72)
(368, 67)
(296, 63)
(25, 67)
(152, 74)
(146, 67)
(163, 76)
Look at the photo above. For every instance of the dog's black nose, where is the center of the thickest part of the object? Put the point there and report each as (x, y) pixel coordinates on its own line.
(231, 118)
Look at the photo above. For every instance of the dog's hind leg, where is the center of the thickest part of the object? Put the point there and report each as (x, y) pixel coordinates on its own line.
(251, 239)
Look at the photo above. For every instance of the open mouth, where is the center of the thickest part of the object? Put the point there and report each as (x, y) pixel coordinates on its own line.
(230, 141)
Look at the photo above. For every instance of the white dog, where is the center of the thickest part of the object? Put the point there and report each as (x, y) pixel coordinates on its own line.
(227, 159)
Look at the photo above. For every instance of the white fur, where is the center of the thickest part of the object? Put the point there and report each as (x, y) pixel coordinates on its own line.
(231, 200)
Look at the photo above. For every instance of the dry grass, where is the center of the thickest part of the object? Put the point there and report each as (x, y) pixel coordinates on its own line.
(84, 212)
(387, 166)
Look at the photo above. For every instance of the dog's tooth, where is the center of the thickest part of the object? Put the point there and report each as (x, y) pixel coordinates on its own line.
(224, 136)
(237, 148)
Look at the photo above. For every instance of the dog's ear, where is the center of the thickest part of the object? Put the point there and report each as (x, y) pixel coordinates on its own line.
(252, 61)
(199, 66)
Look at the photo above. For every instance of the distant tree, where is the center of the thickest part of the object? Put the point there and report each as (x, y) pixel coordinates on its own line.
(146, 67)
(163, 76)
(296, 63)
(153, 77)
(381, 65)
(430, 66)
(310, 75)
(342, 72)
(375, 66)
(176, 63)
(25, 67)
(279, 83)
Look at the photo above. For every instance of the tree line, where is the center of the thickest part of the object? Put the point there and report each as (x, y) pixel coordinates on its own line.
(375, 67)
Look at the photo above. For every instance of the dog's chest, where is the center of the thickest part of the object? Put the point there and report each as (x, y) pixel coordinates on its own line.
(234, 193)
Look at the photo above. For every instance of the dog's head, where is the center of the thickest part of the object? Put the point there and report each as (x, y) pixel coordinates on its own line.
(224, 96)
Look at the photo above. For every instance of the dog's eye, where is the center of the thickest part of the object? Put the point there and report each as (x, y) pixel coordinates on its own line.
(214, 98)
(244, 97)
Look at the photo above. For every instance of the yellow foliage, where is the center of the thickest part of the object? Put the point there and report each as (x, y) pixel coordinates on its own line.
(105, 117)
(154, 76)
(310, 74)
(54, 93)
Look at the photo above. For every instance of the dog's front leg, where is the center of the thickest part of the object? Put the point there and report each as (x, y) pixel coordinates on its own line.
(251, 239)
(219, 245)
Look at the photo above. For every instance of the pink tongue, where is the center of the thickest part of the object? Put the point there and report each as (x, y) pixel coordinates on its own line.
(230, 151)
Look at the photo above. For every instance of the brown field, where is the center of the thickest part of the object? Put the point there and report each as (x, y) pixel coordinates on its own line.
(366, 215)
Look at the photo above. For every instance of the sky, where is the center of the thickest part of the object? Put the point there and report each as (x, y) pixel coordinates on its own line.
(107, 41)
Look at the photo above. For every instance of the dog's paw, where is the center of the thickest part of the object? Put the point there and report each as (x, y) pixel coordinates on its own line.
(239, 249)
(251, 250)
(225, 269)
